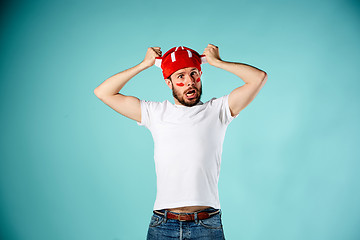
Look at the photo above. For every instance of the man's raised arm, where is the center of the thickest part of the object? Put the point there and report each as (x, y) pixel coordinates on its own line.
(253, 77)
(108, 91)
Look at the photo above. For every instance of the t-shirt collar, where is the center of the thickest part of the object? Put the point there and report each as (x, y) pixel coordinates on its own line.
(182, 106)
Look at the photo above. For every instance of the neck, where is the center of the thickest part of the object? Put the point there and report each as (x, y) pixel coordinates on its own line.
(177, 102)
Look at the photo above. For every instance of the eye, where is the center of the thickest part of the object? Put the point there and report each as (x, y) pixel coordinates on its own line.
(192, 73)
(180, 76)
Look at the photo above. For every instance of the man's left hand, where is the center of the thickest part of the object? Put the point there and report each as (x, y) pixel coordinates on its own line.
(212, 54)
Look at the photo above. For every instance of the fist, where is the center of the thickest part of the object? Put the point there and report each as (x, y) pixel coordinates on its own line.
(151, 54)
(212, 55)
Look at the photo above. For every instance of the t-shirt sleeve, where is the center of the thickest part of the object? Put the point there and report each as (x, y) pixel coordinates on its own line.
(145, 113)
(225, 114)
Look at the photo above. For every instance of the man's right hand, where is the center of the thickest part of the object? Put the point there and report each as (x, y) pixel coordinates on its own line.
(150, 56)
(108, 91)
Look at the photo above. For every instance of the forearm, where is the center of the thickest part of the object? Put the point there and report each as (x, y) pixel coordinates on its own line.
(115, 83)
(247, 73)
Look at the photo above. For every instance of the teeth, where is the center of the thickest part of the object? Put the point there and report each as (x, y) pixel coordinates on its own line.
(191, 93)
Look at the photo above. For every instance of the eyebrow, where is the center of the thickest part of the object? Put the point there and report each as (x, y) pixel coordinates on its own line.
(183, 72)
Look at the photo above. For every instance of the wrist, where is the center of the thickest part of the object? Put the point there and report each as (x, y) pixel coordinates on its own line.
(217, 62)
(143, 65)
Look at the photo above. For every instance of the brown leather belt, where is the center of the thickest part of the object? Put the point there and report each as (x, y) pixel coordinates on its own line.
(187, 216)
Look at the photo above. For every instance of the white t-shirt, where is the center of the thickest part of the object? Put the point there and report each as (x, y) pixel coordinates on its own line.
(187, 150)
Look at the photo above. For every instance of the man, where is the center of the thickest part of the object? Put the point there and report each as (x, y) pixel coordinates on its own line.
(188, 137)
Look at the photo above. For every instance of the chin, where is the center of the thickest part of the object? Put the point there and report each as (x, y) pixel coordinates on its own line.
(191, 103)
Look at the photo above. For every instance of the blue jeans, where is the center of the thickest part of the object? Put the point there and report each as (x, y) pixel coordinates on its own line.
(162, 228)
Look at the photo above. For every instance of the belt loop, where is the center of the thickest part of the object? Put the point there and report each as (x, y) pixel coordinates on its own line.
(165, 215)
(196, 218)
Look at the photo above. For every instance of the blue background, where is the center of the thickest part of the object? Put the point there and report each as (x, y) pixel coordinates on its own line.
(72, 168)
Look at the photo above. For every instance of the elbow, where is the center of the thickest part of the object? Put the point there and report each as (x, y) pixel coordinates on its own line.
(263, 76)
(262, 79)
(97, 93)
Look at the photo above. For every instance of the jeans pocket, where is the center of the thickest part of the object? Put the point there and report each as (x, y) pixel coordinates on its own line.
(213, 222)
(155, 220)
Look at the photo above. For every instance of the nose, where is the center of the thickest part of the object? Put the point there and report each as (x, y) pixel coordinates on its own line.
(190, 80)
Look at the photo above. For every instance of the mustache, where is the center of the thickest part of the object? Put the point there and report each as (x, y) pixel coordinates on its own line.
(189, 89)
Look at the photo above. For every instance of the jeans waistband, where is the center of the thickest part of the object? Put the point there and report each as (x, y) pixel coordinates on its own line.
(190, 216)
(210, 209)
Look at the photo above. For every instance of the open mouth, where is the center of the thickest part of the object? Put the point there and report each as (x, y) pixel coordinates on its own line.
(191, 93)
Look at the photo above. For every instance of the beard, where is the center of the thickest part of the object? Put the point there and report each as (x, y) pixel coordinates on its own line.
(187, 102)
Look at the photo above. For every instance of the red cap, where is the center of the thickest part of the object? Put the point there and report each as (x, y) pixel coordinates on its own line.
(177, 58)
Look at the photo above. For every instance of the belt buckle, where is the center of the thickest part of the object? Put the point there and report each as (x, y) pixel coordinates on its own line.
(179, 217)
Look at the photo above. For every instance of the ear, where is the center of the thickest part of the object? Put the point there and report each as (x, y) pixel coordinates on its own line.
(168, 82)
